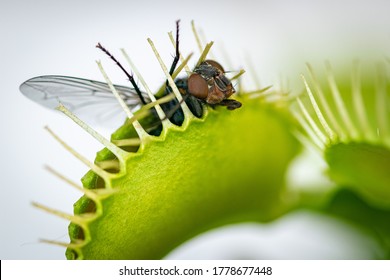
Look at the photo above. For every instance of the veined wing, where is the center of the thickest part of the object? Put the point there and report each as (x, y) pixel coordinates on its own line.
(91, 100)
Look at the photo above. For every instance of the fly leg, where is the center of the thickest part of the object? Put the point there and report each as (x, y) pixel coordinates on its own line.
(230, 104)
(172, 109)
(129, 76)
(153, 117)
(177, 54)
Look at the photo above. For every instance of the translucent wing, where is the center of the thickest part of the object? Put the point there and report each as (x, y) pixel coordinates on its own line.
(90, 100)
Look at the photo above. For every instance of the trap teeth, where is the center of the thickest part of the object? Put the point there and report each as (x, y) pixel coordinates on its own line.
(330, 119)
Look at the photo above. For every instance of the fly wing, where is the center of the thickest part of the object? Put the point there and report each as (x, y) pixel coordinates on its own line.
(90, 100)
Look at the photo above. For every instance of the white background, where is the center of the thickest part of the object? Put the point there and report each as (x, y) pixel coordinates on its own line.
(59, 37)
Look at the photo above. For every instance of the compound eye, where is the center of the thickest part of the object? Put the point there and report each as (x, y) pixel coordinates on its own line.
(197, 86)
(215, 64)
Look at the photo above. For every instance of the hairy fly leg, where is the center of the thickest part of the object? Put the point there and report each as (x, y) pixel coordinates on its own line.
(153, 118)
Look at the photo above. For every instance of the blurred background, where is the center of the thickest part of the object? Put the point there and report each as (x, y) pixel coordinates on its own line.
(274, 38)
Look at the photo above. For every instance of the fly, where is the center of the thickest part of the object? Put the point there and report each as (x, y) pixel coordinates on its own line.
(209, 83)
(94, 101)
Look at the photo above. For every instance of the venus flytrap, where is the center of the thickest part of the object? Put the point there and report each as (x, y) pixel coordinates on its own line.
(157, 184)
(179, 187)
(349, 126)
(208, 172)
(353, 138)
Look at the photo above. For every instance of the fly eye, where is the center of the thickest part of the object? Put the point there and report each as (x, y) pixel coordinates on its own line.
(197, 86)
(215, 64)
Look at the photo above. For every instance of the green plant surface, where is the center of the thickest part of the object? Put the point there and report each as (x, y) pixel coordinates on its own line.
(213, 172)
(364, 167)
